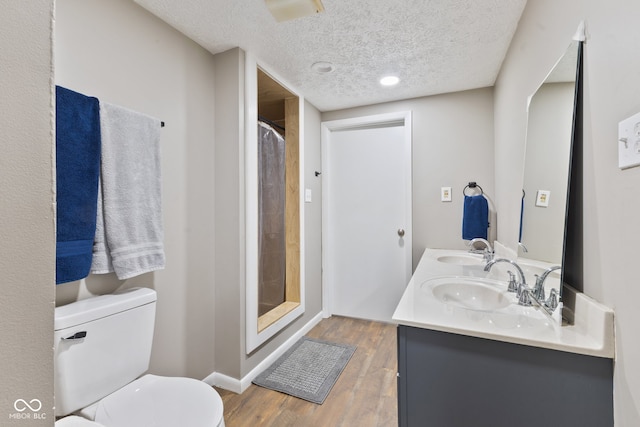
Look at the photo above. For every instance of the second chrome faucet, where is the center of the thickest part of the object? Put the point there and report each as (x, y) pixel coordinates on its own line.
(526, 295)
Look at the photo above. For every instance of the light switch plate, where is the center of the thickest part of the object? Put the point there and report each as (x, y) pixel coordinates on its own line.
(307, 195)
(445, 194)
(542, 198)
(629, 142)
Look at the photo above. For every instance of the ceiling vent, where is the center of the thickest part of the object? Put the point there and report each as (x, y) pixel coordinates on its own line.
(284, 10)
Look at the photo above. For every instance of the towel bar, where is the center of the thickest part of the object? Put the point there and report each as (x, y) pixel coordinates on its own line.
(472, 185)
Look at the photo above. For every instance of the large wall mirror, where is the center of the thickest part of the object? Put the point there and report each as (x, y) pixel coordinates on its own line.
(547, 166)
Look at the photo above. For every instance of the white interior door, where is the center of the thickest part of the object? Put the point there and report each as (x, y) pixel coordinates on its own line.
(366, 215)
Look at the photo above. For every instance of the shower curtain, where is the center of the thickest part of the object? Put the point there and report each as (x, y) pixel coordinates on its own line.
(271, 220)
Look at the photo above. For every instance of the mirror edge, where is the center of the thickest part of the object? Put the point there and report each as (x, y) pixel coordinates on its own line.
(572, 251)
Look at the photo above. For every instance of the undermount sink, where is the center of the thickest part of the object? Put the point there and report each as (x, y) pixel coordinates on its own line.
(460, 259)
(472, 294)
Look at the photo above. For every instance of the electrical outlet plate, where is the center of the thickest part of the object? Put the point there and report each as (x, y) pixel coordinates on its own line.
(445, 194)
(629, 142)
(542, 198)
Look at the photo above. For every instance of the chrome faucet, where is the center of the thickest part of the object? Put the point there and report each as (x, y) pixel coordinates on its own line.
(538, 290)
(527, 296)
(514, 286)
(487, 252)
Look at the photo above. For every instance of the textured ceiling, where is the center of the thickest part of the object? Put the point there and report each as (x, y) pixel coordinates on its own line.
(434, 46)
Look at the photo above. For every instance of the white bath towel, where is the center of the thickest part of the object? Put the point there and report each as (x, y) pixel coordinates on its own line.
(129, 231)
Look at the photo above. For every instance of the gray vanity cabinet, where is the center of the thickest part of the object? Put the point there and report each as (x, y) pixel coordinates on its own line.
(451, 380)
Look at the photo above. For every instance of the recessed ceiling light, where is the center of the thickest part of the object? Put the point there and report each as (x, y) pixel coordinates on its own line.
(389, 80)
(323, 67)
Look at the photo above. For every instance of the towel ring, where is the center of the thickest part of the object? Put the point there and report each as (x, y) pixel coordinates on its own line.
(472, 185)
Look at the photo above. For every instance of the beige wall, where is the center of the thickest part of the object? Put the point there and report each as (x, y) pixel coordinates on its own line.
(27, 225)
(611, 93)
(118, 52)
(452, 145)
(229, 241)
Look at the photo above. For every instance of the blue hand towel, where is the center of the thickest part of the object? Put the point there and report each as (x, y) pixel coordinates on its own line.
(475, 219)
(77, 170)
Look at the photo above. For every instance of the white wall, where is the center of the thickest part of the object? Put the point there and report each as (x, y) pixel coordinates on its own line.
(452, 145)
(27, 224)
(611, 93)
(118, 52)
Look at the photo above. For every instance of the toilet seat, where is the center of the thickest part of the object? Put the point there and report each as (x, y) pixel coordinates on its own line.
(76, 421)
(155, 401)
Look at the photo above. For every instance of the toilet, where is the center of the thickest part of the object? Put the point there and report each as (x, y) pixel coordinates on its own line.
(102, 346)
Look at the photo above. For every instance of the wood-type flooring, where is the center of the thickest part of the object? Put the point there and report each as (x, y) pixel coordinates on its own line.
(363, 396)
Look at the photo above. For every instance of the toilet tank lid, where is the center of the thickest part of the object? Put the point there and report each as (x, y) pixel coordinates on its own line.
(93, 308)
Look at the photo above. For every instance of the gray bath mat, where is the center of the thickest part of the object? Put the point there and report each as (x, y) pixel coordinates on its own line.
(308, 370)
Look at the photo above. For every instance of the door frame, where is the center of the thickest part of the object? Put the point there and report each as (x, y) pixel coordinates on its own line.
(327, 128)
(290, 310)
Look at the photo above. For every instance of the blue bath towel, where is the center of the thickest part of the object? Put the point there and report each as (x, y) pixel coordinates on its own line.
(77, 169)
(475, 218)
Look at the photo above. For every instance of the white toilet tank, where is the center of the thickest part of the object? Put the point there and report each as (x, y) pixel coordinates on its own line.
(101, 344)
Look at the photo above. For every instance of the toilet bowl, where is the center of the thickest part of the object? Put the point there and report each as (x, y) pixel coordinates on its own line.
(159, 401)
(102, 346)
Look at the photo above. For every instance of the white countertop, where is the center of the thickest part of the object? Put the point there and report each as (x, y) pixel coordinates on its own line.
(591, 334)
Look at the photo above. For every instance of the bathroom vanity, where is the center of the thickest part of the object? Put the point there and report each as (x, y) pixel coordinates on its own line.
(469, 355)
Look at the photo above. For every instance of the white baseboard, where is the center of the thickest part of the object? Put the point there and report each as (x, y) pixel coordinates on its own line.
(240, 385)
(223, 381)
